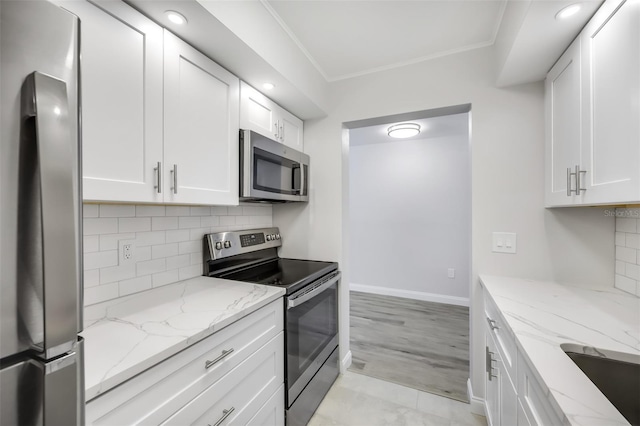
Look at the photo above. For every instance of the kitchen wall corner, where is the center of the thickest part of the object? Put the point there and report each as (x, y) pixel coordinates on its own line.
(168, 243)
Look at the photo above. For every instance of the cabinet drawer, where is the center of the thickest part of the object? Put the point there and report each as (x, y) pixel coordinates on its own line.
(160, 391)
(503, 336)
(239, 395)
(534, 398)
(272, 412)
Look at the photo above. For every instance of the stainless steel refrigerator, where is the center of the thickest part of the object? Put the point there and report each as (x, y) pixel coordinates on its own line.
(40, 246)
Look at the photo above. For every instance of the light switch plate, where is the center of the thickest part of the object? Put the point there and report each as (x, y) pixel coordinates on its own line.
(504, 242)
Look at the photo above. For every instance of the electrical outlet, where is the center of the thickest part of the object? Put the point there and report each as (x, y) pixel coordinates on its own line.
(451, 273)
(127, 252)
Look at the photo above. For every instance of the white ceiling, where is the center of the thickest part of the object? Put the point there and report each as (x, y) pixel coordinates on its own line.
(434, 127)
(348, 38)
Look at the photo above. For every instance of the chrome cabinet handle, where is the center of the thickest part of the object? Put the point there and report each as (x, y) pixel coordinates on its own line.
(579, 180)
(158, 170)
(276, 134)
(225, 414)
(47, 217)
(489, 363)
(208, 364)
(174, 172)
(492, 324)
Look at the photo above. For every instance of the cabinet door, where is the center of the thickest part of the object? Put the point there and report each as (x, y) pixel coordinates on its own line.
(259, 113)
(292, 130)
(201, 122)
(611, 69)
(563, 127)
(121, 101)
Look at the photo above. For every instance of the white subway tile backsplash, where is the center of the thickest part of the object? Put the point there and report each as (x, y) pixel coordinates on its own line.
(90, 210)
(190, 247)
(110, 241)
(150, 238)
(176, 262)
(91, 277)
(100, 259)
(90, 243)
(150, 267)
(164, 278)
(134, 285)
(178, 211)
(168, 244)
(134, 224)
(164, 223)
(200, 211)
(627, 241)
(97, 226)
(117, 210)
(164, 250)
(626, 254)
(100, 293)
(177, 236)
(147, 211)
(117, 273)
(188, 222)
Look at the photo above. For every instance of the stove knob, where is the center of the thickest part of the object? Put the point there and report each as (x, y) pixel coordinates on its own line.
(227, 244)
(273, 237)
(268, 237)
(218, 245)
(277, 236)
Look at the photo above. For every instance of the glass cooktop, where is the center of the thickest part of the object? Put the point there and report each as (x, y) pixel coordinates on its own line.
(290, 274)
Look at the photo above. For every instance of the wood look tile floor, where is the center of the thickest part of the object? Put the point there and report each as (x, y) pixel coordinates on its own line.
(418, 344)
(358, 400)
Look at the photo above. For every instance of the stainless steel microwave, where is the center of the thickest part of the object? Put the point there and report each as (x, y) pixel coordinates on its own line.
(270, 171)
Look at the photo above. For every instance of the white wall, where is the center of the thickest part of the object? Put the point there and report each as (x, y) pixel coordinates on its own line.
(507, 158)
(410, 216)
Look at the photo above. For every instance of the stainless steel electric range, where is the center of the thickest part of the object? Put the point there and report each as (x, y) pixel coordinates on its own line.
(310, 308)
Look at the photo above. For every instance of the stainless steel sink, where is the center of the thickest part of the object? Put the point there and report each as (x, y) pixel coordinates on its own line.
(616, 374)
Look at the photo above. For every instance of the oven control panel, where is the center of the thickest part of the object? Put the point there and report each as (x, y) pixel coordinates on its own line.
(226, 244)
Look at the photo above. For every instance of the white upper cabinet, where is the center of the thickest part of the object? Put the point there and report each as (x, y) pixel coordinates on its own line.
(262, 115)
(611, 103)
(121, 101)
(563, 129)
(593, 113)
(201, 122)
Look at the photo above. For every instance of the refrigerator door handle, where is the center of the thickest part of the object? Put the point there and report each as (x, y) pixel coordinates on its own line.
(47, 247)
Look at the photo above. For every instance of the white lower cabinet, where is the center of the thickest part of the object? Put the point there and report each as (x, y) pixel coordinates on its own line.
(513, 396)
(236, 373)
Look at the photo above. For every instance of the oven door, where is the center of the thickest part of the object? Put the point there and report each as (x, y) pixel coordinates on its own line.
(312, 331)
(271, 171)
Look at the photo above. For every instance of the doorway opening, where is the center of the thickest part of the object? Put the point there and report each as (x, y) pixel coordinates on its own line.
(409, 256)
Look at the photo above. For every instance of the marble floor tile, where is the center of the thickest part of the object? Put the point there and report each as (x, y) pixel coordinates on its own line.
(358, 400)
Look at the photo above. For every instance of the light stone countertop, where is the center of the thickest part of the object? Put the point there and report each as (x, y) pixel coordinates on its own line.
(124, 337)
(543, 315)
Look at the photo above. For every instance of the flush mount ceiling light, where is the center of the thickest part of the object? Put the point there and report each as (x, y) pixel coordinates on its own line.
(175, 17)
(568, 11)
(268, 86)
(403, 130)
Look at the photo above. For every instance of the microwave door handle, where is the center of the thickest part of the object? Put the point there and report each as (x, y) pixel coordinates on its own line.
(292, 303)
(302, 180)
(48, 201)
(295, 190)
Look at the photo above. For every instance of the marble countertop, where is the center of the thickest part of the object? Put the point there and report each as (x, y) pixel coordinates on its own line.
(124, 337)
(543, 315)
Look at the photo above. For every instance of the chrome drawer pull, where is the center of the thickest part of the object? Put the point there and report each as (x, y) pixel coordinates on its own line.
(222, 356)
(225, 414)
(492, 324)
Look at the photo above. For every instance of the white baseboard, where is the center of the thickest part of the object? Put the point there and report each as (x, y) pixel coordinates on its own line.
(345, 363)
(410, 294)
(477, 404)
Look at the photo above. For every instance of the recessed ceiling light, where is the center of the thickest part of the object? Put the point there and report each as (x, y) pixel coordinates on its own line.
(568, 11)
(268, 86)
(403, 130)
(175, 17)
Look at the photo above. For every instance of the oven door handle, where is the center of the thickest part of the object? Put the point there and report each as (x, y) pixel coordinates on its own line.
(292, 303)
